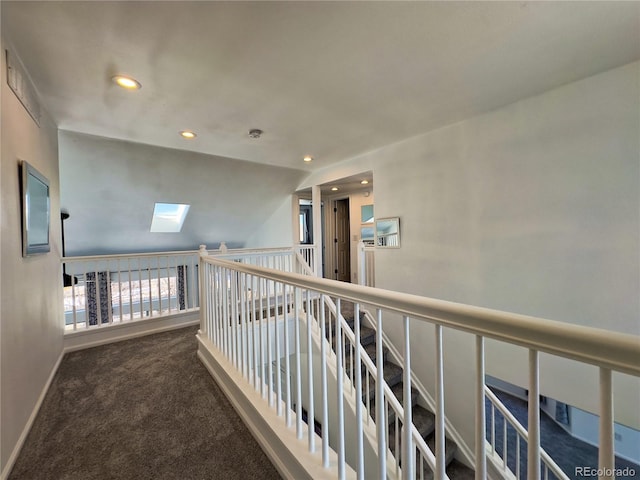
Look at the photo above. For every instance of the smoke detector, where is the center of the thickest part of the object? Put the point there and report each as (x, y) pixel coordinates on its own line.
(255, 133)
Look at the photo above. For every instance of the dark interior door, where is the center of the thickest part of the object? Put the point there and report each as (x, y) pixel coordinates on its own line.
(343, 246)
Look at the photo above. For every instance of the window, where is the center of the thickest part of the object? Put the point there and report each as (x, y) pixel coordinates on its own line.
(168, 217)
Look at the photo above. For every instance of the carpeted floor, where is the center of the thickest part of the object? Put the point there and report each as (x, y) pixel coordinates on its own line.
(140, 409)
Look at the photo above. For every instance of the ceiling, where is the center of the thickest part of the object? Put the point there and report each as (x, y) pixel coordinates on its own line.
(329, 79)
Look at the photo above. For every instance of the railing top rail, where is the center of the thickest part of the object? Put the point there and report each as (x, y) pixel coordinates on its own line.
(117, 256)
(249, 252)
(613, 350)
(217, 253)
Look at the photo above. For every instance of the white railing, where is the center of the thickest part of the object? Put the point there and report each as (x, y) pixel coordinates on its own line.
(298, 259)
(551, 470)
(105, 290)
(366, 265)
(246, 320)
(308, 254)
(366, 378)
(513, 433)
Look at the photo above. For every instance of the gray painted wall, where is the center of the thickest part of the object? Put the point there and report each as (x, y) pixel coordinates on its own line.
(110, 187)
(533, 208)
(30, 288)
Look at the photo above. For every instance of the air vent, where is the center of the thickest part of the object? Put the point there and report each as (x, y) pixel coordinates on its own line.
(20, 83)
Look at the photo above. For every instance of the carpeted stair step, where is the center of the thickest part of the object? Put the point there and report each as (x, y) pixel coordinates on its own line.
(370, 350)
(455, 471)
(392, 375)
(459, 471)
(424, 421)
(367, 335)
(450, 448)
(398, 391)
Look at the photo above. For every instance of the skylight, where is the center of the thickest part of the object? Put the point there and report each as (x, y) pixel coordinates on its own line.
(168, 217)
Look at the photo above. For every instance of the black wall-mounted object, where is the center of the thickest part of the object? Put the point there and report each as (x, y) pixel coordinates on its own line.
(67, 280)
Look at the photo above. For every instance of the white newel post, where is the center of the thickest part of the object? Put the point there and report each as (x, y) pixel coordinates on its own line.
(203, 304)
(223, 247)
(362, 265)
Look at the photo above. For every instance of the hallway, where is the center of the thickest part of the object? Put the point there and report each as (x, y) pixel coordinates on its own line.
(144, 408)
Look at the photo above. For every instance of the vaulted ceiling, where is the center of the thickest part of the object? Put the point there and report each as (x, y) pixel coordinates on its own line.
(330, 79)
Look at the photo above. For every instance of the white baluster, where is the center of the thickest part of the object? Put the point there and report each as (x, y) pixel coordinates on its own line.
(228, 312)
(120, 317)
(323, 378)
(255, 329)
(214, 289)
(269, 345)
(210, 330)
(234, 319)
(262, 345)
(340, 393)
(439, 433)
(533, 450)
(278, 355)
(159, 286)
(73, 296)
(287, 355)
(130, 290)
(481, 457)
(310, 407)
(244, 347)
(150, 288)
(358, 379)
(408, 464)
(518, 457)
(504, 442)
(296, 340)
(606, 455)
(381, 422)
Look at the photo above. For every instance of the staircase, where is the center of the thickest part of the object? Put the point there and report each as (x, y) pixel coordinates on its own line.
(423, 419)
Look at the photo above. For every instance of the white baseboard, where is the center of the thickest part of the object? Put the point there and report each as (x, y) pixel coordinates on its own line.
(27, 428)
(93, 337)
(279, 442)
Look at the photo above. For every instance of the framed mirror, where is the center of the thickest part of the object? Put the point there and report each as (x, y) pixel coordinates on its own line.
(35, 211)
(388, 232)
(367, 235)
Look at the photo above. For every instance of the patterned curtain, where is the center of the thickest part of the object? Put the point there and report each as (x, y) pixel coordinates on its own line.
(100, 294)
(182, 282)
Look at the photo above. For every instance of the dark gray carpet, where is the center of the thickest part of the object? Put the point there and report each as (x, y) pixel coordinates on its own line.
(140, 409)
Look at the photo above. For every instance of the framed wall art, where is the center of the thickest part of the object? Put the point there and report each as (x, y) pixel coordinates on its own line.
(36, 211)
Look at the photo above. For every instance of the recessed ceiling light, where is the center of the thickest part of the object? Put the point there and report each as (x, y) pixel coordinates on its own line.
(128, 83)
(364, 182)
(307, 158)
(188, 134)
(255, 133)
(334, 189)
